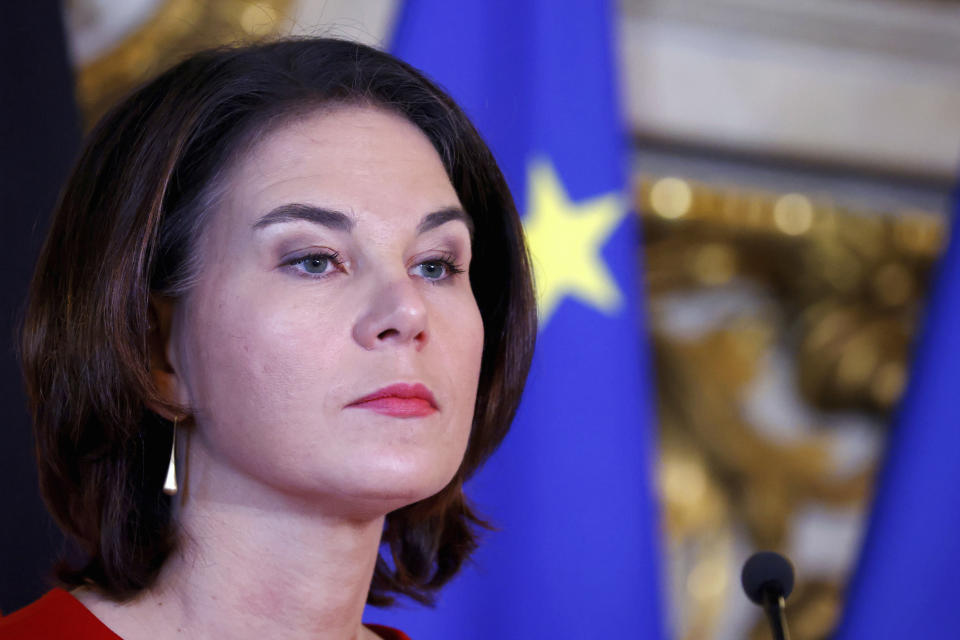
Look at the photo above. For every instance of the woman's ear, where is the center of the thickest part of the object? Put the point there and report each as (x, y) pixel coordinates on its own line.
(163, 359)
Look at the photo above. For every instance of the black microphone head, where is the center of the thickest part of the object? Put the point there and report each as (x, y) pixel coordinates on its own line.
(767, 570)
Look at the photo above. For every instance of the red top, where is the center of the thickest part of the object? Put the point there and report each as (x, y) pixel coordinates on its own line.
(59, 615)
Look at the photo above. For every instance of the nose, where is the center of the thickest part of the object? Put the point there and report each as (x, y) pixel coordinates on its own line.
(396, 315)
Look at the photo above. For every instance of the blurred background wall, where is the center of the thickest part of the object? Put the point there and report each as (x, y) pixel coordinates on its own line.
(793, 164)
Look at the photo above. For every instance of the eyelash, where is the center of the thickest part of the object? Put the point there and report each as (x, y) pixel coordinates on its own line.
(332, 256)
(446, 259)
(449, 263)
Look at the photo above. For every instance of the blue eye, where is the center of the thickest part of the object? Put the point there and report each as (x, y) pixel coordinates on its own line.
(316, 264)
(438, 270)
(433, 270)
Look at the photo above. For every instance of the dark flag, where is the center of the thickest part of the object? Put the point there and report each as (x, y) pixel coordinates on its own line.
(39, 135)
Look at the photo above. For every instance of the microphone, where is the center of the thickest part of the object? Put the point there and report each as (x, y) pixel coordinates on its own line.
(767, 579)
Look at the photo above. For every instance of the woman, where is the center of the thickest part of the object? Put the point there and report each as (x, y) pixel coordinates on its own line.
(284, 310)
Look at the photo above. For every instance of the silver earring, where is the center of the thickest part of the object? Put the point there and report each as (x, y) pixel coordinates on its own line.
(170, 484)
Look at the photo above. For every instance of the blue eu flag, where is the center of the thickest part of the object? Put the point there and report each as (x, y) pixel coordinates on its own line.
(910, 561)
(575, 554)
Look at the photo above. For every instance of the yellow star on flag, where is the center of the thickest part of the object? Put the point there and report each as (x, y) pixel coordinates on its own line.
(565, 239)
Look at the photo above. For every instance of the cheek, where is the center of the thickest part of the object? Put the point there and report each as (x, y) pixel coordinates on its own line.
(253, 359)
(464, 351)
(474, 349)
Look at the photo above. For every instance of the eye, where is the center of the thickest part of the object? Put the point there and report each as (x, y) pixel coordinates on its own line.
(316, 264)
(437, 269)
(433, 270)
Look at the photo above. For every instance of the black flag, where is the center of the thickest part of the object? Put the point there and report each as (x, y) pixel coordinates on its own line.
(39, 135)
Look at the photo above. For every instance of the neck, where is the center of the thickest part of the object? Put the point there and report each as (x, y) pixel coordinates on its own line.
(243, 571)
(247, 572)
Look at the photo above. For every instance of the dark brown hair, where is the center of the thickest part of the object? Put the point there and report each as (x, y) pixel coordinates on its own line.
(124, 230)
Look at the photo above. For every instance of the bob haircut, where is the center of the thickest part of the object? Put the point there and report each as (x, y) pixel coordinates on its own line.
(125, 229)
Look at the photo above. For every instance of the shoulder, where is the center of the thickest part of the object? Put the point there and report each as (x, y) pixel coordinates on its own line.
(56, 615)
(387, 633)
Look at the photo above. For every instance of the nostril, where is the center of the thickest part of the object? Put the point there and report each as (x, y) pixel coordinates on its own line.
(389, 333)
(392, 318)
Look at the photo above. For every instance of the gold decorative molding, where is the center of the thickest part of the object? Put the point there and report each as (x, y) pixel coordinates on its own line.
(177, 29)
(839, 291)
(913, 232)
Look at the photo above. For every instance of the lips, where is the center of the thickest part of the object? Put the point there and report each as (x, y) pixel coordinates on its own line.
(399, 401)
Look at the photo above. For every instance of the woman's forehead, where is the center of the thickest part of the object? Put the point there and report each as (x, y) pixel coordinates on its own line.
(342, 138)
(360, 159)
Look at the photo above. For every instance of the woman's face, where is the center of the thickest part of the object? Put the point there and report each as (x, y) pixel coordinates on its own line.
(331, 348)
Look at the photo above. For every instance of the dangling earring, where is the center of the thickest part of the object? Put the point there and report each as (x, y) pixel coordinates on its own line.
(170, 484)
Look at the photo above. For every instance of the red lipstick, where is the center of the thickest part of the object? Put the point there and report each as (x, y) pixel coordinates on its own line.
(399, 401)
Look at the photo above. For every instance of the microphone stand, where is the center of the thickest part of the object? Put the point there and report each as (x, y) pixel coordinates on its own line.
(774, 605)
(767, 579)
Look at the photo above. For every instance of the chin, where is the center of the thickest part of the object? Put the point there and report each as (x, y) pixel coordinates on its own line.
(395, 487)
(410, 483)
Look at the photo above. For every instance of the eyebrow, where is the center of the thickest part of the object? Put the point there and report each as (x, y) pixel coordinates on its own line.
(318, 215)
(443, 216)
(340, 221)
